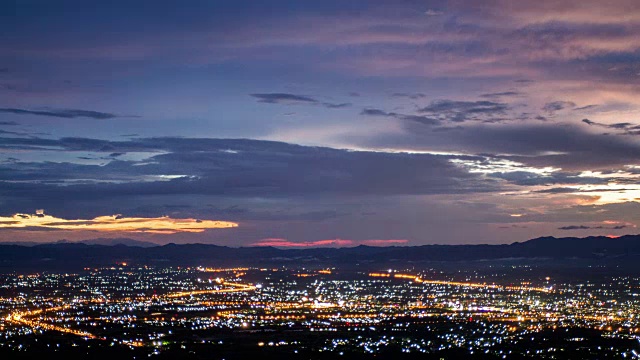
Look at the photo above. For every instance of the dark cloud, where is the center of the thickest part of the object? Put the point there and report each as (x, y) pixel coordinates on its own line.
(586, 107)
(557, 190)
(527, 178)
(589, 122)
(569, 190)
(564, 147)
(585, 227)
(540, 145)
(19, 133)
(412, 96)
(8, 123)
(282, 98)
(61, 113)
(292, 99)
(553, 35)
(221, 167)
(501, 94)
(336, 106)
(629, 128)
(574, 227)
(10, 132)
(424, 120)
(460, 111)
(374, 112)
(552, 107)
(237, 212)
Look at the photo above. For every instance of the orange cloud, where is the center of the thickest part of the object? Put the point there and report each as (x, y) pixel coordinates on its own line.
(114, 223)
(327, 243)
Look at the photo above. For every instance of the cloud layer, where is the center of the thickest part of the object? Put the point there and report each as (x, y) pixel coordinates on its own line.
(61, 113)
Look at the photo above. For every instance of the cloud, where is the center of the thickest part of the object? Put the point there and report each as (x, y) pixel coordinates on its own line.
(629, 128)
(374, 112)
(586, 227)
(501, 94)
(292, 99)
(277, 242)
(530, 178)
(62, 113)
(424, 120)
(8, 123)
(115, 223)
(564, 146)
(552, 107)
(18, 133)
(588, 214)
(460, 111)
(472, 41)
(574, 227)
(573, 190)
(336, 106)
(586, 107)
(282, 98)
(174, 167)
(412, 96)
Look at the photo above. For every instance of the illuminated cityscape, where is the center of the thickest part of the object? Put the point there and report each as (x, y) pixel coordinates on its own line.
(500, 312)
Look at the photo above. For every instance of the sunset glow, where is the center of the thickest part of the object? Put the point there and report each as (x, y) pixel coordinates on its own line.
(328, 243)
(114, 223)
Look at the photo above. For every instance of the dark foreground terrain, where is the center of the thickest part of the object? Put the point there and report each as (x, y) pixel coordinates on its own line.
(51, 346)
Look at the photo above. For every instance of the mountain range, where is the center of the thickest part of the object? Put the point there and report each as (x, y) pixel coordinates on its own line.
(104, 252)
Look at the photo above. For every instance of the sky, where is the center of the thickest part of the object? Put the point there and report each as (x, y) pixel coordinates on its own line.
(319, 123)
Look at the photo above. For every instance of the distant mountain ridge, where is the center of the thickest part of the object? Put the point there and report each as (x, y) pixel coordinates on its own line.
(100, 252)
(113, 242)
(98, 241)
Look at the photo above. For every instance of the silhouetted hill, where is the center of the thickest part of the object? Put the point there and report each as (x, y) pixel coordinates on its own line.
(98, 241)
(77, 255)
(117, 241)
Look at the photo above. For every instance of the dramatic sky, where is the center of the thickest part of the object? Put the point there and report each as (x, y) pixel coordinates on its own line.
(319, 123)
